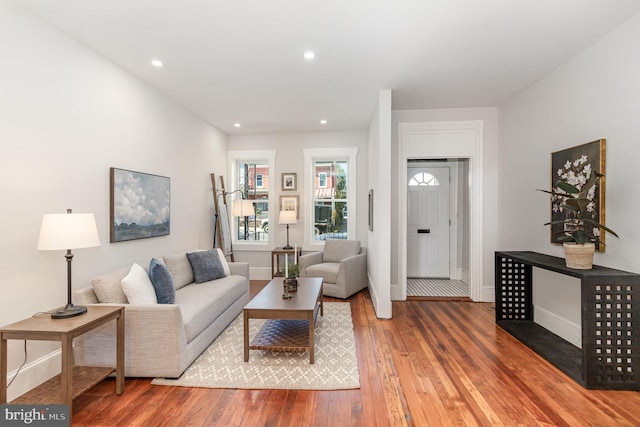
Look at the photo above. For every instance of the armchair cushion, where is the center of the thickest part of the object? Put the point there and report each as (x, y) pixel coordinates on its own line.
(336, 250)
(327, 270)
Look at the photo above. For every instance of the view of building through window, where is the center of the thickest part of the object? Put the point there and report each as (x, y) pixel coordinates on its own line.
(253, 181)
(330, 199)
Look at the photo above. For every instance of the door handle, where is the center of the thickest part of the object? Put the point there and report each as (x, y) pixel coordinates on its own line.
(424, 231)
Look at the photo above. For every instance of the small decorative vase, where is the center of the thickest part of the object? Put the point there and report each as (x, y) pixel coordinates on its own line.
(291, 284)
(579, 257)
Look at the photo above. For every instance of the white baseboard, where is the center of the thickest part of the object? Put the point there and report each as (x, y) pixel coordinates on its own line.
(488, 294)
(34, 373)
(559, 326)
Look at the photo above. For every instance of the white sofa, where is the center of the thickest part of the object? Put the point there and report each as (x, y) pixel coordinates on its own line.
(162, 340)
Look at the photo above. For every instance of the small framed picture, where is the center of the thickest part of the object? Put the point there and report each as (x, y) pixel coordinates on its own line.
(289, 181)
(290, 203)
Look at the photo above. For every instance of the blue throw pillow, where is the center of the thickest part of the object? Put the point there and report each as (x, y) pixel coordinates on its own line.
(162, 282)
(206, 265)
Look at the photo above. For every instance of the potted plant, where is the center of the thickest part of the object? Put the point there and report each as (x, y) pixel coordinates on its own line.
(574, 195)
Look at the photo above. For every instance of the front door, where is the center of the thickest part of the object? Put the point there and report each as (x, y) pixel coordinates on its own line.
(428, 221)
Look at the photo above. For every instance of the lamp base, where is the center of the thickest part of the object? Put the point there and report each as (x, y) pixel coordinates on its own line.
(68, 310)
(287, 247)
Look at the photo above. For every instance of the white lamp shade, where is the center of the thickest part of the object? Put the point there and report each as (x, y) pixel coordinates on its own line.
(243, 207)
(68, 231)
(287, 217)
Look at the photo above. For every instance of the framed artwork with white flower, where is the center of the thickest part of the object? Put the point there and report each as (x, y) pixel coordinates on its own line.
(575, 166)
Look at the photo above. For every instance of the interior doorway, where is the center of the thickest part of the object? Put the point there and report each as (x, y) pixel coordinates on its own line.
(445, 140)
(438, 227)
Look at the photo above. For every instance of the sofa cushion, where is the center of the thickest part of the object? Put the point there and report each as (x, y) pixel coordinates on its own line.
(336, 250)
(138, 287)
(223, 261)
(108, 287)
(180, 269)
(202, 303)
(162, 282)
(206, 265)
(327, 270)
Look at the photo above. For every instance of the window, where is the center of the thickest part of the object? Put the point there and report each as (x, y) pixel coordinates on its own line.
(322, 180)
(332, 186)
(423, 179)
(250, 180)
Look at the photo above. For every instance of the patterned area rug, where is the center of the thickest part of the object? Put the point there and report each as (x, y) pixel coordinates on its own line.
(335, 367)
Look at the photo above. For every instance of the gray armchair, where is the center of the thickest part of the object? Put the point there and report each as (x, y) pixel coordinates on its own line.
(342, 265)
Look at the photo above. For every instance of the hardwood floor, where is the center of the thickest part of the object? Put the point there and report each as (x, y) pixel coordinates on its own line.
(435, 363)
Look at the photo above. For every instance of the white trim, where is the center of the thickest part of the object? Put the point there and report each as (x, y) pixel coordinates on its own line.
(562, 327)
(350, 154)
(34, 373)
(232, 158)
(455, 139)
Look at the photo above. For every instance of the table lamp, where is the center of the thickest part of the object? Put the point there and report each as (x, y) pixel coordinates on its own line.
(65, 232)
(287, 217)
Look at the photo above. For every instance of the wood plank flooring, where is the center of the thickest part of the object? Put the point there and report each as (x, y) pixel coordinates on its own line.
(436, 363)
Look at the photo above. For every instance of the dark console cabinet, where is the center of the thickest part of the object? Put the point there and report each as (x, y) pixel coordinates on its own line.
(610, 318)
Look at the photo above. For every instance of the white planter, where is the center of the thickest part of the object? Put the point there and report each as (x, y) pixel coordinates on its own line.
(579, 257)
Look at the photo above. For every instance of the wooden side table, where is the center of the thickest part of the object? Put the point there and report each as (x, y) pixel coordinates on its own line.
(73, 380)
(275, 259)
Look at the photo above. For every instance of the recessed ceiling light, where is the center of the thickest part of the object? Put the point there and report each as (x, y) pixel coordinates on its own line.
(236, 125)
(323, 122)
(309, 55)
(156, 63)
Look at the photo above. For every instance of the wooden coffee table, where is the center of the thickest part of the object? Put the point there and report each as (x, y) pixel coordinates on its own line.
(291, 321)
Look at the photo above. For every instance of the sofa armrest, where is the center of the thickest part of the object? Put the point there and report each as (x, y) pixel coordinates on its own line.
(155, 341)
(239, 268)
(308, 260)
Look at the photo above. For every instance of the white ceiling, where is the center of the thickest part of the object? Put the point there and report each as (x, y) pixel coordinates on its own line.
(241, 60)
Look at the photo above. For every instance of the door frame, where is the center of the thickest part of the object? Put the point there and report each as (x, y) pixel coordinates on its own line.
(454, 273)
(436, 140)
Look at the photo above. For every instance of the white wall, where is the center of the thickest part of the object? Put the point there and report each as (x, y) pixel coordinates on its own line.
(594, 95)
(491, 139)
(289, 158)
(67, 116)
(379, 252)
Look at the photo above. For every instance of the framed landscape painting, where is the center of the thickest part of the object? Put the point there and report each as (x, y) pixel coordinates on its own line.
(575, 165)
(140, 205)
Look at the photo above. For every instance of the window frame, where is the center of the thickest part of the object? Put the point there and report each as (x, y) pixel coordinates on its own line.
(258, 156)
(320, 176)
(350, 155)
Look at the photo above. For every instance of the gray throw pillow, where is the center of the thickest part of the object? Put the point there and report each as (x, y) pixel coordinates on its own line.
(162, 282)
(206, 265)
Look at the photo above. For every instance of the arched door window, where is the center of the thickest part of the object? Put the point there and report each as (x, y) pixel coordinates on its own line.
(423, 179)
